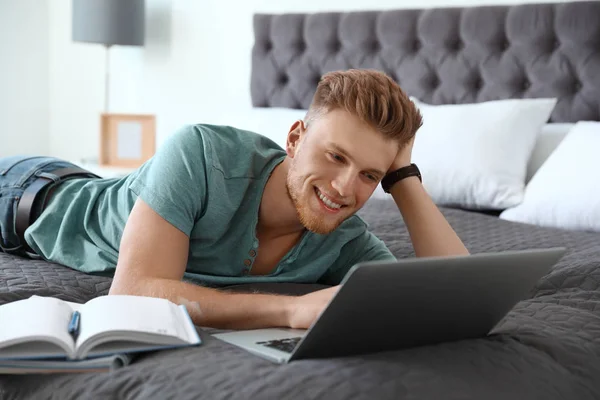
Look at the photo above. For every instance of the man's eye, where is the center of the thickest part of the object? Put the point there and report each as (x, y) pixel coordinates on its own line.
(337, 157)
(372, 177)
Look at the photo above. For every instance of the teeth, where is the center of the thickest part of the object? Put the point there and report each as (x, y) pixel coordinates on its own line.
(327, 201)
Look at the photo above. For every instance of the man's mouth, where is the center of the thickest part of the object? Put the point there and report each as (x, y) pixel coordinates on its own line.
(327, 203)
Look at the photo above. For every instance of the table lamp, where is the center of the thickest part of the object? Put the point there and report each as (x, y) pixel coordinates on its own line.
(109, 22)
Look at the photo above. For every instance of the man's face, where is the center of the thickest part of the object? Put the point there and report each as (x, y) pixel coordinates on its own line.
(336, 164)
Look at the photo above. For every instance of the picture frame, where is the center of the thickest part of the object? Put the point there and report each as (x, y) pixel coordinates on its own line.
(126, 140)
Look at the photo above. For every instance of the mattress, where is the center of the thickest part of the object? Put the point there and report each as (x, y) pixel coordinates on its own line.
(547, 347)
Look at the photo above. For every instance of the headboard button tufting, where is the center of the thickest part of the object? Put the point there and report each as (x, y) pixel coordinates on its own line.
(439, 55)
(336, 46)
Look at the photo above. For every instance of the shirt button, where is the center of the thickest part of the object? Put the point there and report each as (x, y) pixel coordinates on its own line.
(252, 253)
(246, 271)
(247, 262)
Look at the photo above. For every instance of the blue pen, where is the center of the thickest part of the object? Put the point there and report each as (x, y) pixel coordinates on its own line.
(74, 325)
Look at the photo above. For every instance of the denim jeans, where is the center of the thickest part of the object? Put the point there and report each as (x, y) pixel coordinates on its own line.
(16, 174)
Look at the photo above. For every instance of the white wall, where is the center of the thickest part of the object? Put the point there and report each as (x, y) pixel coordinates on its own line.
(24, 77)
(196, 63)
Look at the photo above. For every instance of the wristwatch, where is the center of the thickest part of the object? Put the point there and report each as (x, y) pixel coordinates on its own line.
(390, 179)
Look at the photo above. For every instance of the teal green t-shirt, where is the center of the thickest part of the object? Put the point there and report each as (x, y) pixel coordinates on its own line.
(207, 181)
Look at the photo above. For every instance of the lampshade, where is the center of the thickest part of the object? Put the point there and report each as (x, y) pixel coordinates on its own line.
(109, 22)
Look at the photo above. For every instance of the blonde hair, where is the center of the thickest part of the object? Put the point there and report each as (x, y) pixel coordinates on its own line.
(370, 95)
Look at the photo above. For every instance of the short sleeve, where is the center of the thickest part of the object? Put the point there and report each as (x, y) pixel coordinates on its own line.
(173, 182)
(365, 247)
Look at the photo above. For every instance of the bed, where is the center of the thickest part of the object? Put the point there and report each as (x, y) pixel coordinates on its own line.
(547, 347)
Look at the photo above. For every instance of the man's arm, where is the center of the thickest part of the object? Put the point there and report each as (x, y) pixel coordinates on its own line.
(152, 260)
(430, 233)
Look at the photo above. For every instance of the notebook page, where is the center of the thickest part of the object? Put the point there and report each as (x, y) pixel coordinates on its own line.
(131, 313)
(35, 318)
(74, 306)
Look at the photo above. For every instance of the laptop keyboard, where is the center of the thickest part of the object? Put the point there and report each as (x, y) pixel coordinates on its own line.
(285, 345)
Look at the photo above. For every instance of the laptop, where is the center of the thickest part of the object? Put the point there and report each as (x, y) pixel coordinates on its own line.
(393, 305)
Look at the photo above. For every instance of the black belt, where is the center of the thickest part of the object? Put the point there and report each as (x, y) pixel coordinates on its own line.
(25, 209)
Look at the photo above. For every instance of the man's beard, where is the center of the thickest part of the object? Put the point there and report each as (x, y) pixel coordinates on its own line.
(307, 218)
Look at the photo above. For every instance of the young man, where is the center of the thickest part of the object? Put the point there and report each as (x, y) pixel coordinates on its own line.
(223, 206)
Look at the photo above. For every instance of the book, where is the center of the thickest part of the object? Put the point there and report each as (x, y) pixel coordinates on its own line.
(46, 334)
(98, 364)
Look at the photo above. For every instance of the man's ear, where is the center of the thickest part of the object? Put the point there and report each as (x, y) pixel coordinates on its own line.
(296, 133)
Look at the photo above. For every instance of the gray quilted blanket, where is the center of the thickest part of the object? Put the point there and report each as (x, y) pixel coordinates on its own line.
(548, 346)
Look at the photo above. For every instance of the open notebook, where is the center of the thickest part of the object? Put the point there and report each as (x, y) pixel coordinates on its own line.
(46, 334)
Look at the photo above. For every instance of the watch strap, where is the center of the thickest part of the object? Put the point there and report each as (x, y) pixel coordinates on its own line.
(393, 177)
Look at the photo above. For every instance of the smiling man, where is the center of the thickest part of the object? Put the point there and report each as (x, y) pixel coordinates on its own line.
(223, 206)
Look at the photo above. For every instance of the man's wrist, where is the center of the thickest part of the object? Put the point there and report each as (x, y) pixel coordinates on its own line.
(286, 306)
(405, 184)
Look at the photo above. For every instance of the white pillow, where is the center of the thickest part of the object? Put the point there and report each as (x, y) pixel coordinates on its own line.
(565, 191)
(548, 139)
(476, 155)
(549, 136)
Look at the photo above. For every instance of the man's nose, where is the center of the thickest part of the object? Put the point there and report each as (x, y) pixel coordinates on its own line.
(344, 183)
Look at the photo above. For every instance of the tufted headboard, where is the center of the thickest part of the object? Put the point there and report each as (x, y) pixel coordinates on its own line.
(438, 55)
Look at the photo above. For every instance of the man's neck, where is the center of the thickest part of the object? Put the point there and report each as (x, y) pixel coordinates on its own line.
(277, 215)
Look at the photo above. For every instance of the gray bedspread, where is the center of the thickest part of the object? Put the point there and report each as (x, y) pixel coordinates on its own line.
(548, 347)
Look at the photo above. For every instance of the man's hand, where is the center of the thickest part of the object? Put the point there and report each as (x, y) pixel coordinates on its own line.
(403, 158)
(305, 309)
